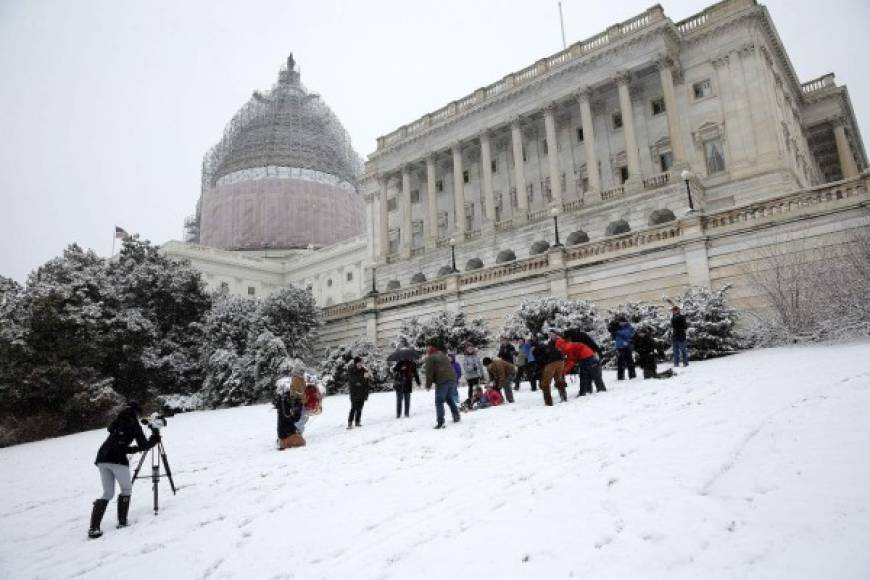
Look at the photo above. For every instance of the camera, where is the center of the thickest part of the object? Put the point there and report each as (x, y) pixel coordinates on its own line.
(155, 421)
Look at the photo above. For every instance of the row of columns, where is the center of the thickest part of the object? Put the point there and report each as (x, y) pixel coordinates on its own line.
(665, 68)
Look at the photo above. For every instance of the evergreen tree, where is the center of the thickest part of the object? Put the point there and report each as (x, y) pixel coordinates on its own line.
(336, 365)
(641, 314)
(711, 322)
(536, 316)
(450, 330)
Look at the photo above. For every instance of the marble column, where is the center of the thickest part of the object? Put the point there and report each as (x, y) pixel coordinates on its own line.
(384, 217)
(432, 201)
(553, 154)
(631, 151)
(404, 200)
(486, 180)
(521, 212)
(844, 152)
(592, 173)
(458, 193)
(675, 134)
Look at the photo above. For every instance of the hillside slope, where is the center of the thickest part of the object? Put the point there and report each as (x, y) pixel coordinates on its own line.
(751, 466)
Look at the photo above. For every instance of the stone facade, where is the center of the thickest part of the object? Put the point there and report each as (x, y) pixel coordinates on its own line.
(653, 156)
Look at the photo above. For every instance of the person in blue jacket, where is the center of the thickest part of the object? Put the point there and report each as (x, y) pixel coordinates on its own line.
(623, 335)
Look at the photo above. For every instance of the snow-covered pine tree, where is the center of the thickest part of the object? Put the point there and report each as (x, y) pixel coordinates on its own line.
(450, 330)
(336, 364)
(711, 322)
(646, 314)
(291, 314)
(535, 316)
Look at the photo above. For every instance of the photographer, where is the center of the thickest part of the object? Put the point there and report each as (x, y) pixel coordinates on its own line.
(113, 465)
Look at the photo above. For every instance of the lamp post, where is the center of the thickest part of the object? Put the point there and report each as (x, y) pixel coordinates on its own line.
(687, 175)
(374, 290)
(555, 213)
(452, 243)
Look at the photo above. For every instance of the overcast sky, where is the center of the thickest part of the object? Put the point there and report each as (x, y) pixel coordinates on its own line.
(107, 107)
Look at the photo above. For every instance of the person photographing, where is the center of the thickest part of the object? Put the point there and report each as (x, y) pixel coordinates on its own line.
(113, 464)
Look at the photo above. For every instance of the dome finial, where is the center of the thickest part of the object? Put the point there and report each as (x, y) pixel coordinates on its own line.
(291, 63)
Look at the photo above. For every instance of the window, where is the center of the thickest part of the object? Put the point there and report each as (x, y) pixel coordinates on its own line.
(666, 160)
(584, 185)
(391, 204)
(564, 182)
(465, 176)
(657, 106)
(616, 120)
(225, 287)
(416, 233)
(580, 134)
(714, 155)
(439, 185)
(546, 190)
(442, 224)
(514, 201)
(623, 174)
(544, 147)
(493, 165)
(329, 283)
(251, 291)
(348, 277)
(498, 208)
(415, 196)
(469, 217)
(530, 192)
(702, 89)
(525, 157)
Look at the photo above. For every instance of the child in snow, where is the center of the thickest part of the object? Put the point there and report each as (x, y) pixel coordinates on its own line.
(291, 413)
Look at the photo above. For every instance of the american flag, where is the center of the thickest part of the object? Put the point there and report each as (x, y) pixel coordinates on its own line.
(120, 233)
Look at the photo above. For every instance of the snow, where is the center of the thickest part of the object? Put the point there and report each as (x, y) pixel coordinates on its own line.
(751, 466)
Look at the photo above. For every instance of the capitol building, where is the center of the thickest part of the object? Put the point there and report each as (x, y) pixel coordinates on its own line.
(653, 156)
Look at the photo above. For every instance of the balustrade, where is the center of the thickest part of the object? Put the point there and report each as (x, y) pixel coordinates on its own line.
(611, 194)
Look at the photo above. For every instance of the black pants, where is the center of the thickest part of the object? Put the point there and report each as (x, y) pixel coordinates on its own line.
(355, 414)
(532, 375)
(403, 397)
(471, 384)
(624, 360)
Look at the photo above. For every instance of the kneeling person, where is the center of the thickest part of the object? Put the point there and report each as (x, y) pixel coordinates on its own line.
(501, 375)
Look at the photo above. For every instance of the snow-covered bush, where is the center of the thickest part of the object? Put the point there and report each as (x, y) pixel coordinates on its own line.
(338, 360)
(535, 316)
(653, 316)
(450, 330)
(711, 322)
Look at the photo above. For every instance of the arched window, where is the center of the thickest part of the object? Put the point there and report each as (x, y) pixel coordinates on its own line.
(617, 227)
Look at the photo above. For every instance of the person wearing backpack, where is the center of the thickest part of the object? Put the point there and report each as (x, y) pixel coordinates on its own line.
(405, 373)
(359, 380)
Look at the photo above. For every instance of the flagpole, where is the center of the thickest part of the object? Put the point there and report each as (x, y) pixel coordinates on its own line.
(114, 235)
(562, 25)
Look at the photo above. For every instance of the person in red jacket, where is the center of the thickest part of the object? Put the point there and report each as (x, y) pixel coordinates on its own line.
(576, 353)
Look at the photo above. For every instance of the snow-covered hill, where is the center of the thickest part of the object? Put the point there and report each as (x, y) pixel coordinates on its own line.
(754, 466)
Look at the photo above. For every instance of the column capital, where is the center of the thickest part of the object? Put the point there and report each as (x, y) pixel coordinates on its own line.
(584, 94)
(622, 77)
(430, 159)
(665, 61)
(405, 168)
(485, 134)
(721, 60)
(550, 108)
(455, 146)
(517, 121)
(383, 178)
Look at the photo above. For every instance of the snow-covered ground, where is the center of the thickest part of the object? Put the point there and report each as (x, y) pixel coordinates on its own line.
(754, 466)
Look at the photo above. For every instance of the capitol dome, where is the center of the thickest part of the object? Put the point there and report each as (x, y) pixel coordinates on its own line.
(283, 176)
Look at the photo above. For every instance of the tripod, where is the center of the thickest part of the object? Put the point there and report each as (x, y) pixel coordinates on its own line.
(158, 455)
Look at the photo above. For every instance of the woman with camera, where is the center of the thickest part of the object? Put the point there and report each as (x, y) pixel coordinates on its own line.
(113, 465)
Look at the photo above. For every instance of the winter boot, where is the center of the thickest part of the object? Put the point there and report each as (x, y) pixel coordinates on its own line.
(440, 424)
(97, 517)
(123, 509)
(350, 425)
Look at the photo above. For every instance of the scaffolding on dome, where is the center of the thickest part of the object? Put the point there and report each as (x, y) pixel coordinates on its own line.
(286, 126)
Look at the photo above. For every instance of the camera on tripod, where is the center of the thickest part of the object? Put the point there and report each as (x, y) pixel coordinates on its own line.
(155, 422)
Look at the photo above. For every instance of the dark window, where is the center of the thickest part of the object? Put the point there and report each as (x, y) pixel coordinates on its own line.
(544, 147)
(525, 157)
(623, 174)
(251, 290)
(616, 120)
(702, 89)
(415, 196)
(329, 282)
(465, 176)
(580, 134)
(658, 106)
(666, 160)
(349, 276)
(493, 165)
(439, 185)
(391, 204)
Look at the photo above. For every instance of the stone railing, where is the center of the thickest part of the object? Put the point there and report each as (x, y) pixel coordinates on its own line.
(473, 234)
(790, 203)
(504, 225)
(419, 251)
(443, 243)
(393, 258)
(823, 82)
(344, 309)
(711, 14)
(538, 215)
(625, 241)
(576, 51)
(501, 271)
(615, 193)
(574, 205)
(415, 291)
(658, 180)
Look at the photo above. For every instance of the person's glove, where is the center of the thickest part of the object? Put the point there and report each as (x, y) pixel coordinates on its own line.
(155, 437)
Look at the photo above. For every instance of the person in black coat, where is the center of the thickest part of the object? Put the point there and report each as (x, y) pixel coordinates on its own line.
(507, 351)
(290, 408)
(114, 466)
(405, 373)
(678, 330)
(645, 347)
(359, 378)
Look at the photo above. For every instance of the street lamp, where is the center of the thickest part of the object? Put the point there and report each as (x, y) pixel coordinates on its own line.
(452, 242)
(687, 175)
(374, 290)
(555, 213)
